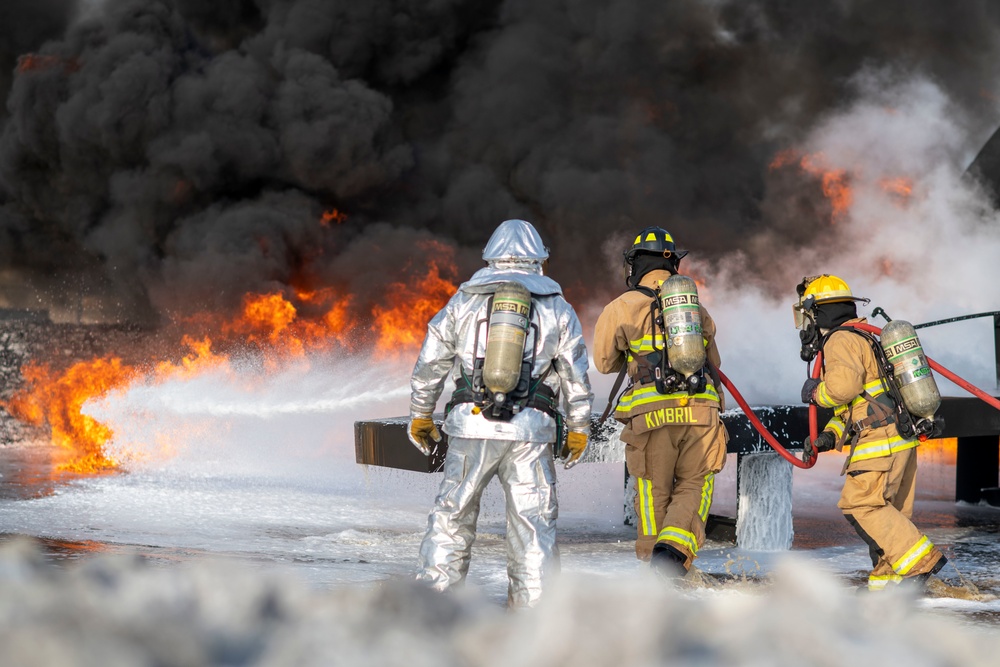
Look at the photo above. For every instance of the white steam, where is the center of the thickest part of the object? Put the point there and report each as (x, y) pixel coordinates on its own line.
(927, 255)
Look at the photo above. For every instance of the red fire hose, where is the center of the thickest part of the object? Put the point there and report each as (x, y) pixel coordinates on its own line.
(771, 440)
(813, 421)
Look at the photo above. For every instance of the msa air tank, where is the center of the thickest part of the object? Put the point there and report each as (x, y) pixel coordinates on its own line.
(910, 369)
(508, 329)
(682, 325)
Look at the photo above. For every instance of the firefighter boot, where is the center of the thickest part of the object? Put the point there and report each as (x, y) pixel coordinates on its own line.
(667, 561)
(918, 582)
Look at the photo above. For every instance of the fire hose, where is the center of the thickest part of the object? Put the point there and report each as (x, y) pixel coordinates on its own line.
(764, 433)
(813, 419)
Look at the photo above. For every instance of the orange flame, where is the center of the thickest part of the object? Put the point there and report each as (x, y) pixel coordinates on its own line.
(835, 183)
(900, 189)
(30, 62)
(333, 215)
(283, 325)
(783, 158)
(58, 399)
(400, 325)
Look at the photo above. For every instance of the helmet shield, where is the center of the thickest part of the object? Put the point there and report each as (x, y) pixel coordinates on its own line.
(515, 240)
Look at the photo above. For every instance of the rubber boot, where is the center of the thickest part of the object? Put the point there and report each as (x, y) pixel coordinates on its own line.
(918, 582)
(667, 561)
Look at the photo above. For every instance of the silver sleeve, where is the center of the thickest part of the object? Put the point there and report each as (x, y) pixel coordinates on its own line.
(571, 364)
(436, 359)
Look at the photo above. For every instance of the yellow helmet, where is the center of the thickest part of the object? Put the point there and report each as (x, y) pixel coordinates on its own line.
(828, 289)
(817, 290)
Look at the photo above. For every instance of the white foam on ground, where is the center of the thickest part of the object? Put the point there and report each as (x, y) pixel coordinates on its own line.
(764, 520)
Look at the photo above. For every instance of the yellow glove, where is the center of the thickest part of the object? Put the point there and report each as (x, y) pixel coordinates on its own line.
(576, 443)
(421, 432)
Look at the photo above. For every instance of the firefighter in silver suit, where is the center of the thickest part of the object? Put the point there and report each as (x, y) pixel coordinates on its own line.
(517, 449)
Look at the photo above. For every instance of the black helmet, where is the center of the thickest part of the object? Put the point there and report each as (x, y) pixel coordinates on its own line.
(652, 242)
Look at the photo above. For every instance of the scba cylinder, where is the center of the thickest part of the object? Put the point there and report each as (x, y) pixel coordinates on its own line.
(508, 330)
(682, 325)
(910, 368)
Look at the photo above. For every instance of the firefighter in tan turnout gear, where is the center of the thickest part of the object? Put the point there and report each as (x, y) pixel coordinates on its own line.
(881, 465)
(675, 442)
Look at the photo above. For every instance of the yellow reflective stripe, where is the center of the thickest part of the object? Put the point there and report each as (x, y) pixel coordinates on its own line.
(822, 398)
(644, 345)
(874, 388)
(646, 514)
(680, 536)
(707, 489)
(646, 395)
(836, 424)
(882, 447)
(878, 583)
(913, 556)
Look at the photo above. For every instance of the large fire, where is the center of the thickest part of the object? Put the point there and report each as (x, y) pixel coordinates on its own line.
(279, 325)
(836, 183)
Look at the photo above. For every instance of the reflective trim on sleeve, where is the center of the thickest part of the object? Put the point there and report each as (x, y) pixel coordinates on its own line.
(874, 388)
(822, 398)
(913, 556)
(836, 424)
(647, 515)
(680, 536)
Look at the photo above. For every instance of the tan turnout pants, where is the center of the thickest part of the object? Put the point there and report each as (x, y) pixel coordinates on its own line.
(877, 500)
(675, 469)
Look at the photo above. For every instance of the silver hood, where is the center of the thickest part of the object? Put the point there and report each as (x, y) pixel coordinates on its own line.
(515, 240)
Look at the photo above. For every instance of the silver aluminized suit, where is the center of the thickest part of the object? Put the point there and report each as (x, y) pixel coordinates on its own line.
(519, 451)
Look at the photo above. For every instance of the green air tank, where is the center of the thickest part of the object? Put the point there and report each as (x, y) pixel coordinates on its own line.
(910, 369)
(508, 330)
(682, 324)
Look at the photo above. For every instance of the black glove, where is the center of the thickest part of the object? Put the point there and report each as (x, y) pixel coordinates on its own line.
(809, 390)
(825, 441)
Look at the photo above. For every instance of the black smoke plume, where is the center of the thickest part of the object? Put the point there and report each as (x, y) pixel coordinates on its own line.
(178, 154)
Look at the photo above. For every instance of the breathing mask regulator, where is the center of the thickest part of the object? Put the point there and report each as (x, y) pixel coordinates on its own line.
(679, 364)
(825, 303)
(805, 321)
